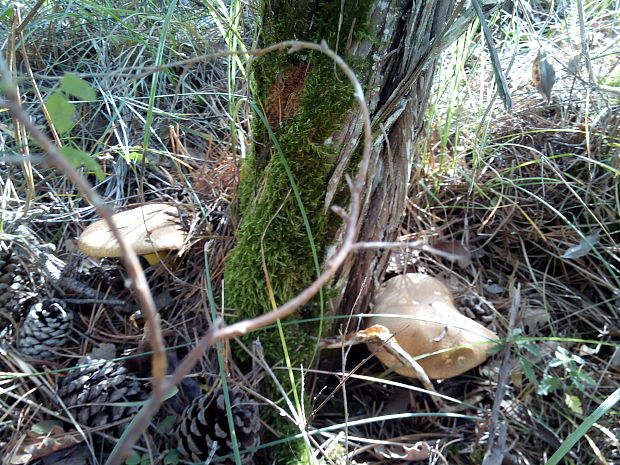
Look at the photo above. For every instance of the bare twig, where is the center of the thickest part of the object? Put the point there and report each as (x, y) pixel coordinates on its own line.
(417, 245)
(33, 11)
(585, 45)
(497, 434)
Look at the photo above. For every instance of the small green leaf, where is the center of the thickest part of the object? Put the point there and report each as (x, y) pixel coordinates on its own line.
(496, 348)
(573, 403)
(555, 362)
(548, 385)
(562, 354)
(77, 87)
(578, 359)
(172, 457)
(580, 379)
(167, 423)
(528, 370)
(45, 426)
(530, 346)
(77, 158)
(61, 111)
(586, 378)
(132, 460)
(7, 13)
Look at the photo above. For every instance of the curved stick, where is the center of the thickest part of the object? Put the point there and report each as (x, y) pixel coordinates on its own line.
(217, 333)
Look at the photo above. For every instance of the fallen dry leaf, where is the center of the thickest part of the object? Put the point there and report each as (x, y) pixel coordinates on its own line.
(411, 453)
(40, 445)
(584, 247)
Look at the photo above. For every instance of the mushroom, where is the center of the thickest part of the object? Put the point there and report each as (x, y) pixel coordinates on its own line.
(149, 230)
(426, 321)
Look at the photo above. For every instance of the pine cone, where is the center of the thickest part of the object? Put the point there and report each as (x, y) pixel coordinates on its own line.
(204, 423)
(14, 291)
(89, 390)
(44, 329)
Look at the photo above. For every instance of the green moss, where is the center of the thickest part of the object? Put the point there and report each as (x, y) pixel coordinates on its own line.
(271, 223)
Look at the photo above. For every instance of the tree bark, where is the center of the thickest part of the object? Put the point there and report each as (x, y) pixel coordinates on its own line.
(412, 36)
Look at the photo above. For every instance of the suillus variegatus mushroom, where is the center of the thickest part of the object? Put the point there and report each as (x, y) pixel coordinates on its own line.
(419, 310)
(150, 230)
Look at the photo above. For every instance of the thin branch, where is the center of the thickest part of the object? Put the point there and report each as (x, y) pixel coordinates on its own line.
(497, 430)
(29, 17)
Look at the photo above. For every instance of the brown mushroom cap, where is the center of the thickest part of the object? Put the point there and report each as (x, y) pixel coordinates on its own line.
(430, 322)
(148, 229)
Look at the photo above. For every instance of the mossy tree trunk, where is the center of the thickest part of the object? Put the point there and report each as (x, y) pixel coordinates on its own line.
(308, 104)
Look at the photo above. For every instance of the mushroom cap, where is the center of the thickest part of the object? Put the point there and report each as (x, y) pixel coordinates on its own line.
(148, 229)
(428, 322)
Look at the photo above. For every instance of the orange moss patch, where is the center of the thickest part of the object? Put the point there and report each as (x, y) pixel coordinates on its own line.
(285, 96)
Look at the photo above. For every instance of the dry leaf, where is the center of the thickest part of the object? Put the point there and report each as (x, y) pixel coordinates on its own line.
(411, 453)
(103, 351)
(452, 250)
(533, 317)
(78, 455)
(543, 75)
(585, 245)
(493, 288)
(589, 350)
(398, 402)
(40, 445)
(573, 64)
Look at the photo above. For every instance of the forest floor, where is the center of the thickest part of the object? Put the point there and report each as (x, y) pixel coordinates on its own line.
(526, 202)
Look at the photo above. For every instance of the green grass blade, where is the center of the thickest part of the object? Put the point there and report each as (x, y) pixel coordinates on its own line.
(220, 359)
(500, 77)
(158, 61)
(582, 429)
